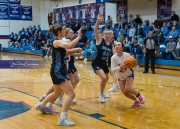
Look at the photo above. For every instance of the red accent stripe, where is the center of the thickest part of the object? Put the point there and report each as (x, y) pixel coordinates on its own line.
(25, 104)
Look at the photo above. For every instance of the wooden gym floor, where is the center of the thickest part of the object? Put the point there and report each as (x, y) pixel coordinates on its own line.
(160, 111)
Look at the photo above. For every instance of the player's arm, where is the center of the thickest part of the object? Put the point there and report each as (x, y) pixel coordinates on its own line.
(113, 65)
(59, 43)
(96, 33)
(73, 51)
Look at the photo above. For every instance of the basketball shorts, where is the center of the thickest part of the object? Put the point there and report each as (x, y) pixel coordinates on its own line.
(98, 66)
(132, 75)
(71, 68)
(58, 77)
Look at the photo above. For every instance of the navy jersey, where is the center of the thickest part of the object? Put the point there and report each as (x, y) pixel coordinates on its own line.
(71, 61)
(58, 60)
(102, 51)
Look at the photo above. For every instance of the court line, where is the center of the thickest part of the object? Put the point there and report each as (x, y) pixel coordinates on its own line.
(69, 109)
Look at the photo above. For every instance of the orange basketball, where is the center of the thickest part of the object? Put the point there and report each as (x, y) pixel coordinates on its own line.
(130, 62)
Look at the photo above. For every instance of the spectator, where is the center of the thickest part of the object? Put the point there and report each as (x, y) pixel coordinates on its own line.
(137, 53)
(177, 57)
(23, 35)
(130, 19)
(11, 41)
(87, 50)
(174, 33)
(139, 31)
(158, 22)
(164, 29)
(89, 28)
(109, 22)
(151, 48)
(127, 44)
(159, 35)
(120, 37)
(126, 31)
(47, 49)
(77, 26)
(47, 36)
(138, 20)
(170, 48)
(84, 29)
(174, 19)
(119, 22)
(38, 28)
(132, 31)
(152, 27)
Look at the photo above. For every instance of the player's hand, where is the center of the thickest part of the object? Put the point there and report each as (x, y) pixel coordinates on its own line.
(80, 32)
(155, 52)
(100, 16)
(123, 66)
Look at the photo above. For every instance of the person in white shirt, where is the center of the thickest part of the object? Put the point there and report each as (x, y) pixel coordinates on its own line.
(125, 75)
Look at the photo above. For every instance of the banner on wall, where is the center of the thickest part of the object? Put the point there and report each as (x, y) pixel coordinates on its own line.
(4, 11)
(4, 1)
(76, 14)
(15, 12)
(14, 1)
(122, 10)
(164, 9)
(26, 13)
(92, 13)
(100, 7)
(83, 13)
(69, 13)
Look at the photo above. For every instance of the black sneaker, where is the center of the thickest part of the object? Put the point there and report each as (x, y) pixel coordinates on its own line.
(153, 72)
(145, 72)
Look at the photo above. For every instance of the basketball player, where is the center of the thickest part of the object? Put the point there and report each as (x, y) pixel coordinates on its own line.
(58, 74)
(102, 51)
(125, 75)
(72, 71)
(115, 86)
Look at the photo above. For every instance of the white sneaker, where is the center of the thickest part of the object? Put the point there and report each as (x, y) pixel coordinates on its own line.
(46, 57)
(41, 98)
(50, 110)
(104, 94)
(85, 60)
(113, 89)
(118, 86)
(59, 100)
(74, 101)
(101, 98)
(50, 57)
(65, 122)
(79, 76)
(38, 107)
(137, 66)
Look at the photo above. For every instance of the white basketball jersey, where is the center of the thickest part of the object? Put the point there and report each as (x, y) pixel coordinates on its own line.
(116, 61)
(100, 9)
(83, 14)
(92, 12)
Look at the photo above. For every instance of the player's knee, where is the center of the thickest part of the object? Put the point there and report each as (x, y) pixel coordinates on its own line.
(128, 90)
(104, 79)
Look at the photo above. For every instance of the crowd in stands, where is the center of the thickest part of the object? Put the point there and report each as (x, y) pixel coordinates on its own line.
(130, 31)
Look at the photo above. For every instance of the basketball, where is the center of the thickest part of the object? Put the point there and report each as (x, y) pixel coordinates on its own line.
(130, 62)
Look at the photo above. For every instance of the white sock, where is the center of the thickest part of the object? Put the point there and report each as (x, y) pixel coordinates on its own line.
(42, 104)
(115, 84)
(63, 115)
(49, 105)
(44, 95)
(137, 99)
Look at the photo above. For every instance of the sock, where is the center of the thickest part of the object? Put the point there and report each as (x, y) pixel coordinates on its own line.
(138, 95)
(63, 115)
(44, 95)
(49, 105)
(43, 104)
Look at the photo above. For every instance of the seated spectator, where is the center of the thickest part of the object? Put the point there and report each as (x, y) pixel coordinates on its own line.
(89, 28)
(27, 34)
(109, 22)
(140, 40)
(126, 31)
(159, 35)
(77, 26)
(132, 44)
(139, 31)
(23, 35)
(170, 48)
(11, 41)
(177, 54)
(164, 29)
(132, 31)
(174, 19)
(174, 33)
(152, 28)
(127, 44)
(125, 22)
(137, 53)
(25, 42)
(34, 29)
(90, 47)
(130, 19)
(47, 36)
(158, 22)
(120, 37)
(48, 50)
(138, 20)
(118, 24)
